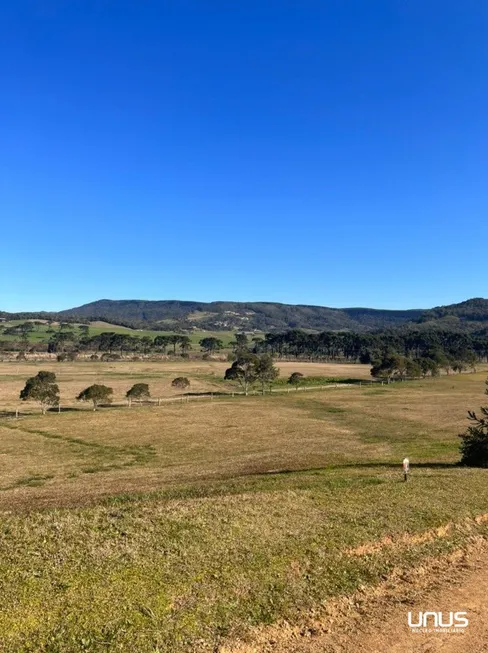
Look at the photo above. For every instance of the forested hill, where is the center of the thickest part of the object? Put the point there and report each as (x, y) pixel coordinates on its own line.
(472, 310)
(262, 316)
(169, 315)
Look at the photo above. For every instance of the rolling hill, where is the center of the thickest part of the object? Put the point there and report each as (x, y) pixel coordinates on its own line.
(261, 316)
(170, 315)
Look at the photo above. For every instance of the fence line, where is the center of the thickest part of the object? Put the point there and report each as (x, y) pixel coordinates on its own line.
(181, 399)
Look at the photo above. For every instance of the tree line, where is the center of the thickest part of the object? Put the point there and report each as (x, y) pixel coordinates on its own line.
(43, 389)
(402, 352)
(69, 338)
(398, 351)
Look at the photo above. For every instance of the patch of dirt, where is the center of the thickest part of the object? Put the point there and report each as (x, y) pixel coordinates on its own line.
(408, 539)
(375, 620)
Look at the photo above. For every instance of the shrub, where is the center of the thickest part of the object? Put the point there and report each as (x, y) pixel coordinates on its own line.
(139, 392)
(295, 379)
(67, 356)
(180, 382)
(474, 441)
(107, 357)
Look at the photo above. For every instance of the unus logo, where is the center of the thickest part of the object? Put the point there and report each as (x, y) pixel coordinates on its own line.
(438, 620)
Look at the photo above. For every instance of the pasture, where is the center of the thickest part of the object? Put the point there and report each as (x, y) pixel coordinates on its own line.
(42, 332)
(183, 526)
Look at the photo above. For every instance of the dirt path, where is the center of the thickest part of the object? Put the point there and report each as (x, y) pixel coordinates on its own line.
(378, 622)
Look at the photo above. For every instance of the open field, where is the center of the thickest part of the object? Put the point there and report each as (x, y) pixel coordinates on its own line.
(182, 527)
(204, 376)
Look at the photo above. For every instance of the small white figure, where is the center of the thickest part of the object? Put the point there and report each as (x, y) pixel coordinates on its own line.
(406, 468)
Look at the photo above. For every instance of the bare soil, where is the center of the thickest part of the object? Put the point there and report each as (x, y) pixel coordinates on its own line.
(376, 621)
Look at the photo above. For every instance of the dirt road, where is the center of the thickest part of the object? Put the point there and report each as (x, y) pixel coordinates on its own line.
(378, 622)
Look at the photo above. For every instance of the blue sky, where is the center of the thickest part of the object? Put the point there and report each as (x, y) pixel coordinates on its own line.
(328, 152)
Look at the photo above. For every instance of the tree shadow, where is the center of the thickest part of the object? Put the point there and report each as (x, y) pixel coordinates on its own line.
(385, 465)
(8, 413)
(81, 409)
(206, 394)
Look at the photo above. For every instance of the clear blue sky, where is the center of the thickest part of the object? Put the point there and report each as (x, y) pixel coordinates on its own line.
(326, 152)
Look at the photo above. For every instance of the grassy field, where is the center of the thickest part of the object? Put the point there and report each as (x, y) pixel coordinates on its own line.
(40, 333)
(204, 376)
(182, 526)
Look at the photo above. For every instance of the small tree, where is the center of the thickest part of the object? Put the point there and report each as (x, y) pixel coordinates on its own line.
(265, 372)
(181, 382)
(97, 394)
(295, 379)
(139, 392)
(474, 441)
(41, 388)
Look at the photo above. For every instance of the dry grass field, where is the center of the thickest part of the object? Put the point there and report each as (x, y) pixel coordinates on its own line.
(205, 376)
(182, 526)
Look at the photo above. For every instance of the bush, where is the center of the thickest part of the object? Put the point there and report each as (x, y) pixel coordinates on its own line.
(180, 382)
(474, 441)
(66, 356)
(295, 379)
(474, 447)
(110, 357)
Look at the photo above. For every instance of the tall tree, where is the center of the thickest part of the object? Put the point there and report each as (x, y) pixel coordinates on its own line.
(243, 370)
(161, 342)
(265, 372)
(211, 344)
(185, 344)
(174, 340)
(240, 343)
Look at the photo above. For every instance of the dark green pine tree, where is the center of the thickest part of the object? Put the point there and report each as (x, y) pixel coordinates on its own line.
(474, 441)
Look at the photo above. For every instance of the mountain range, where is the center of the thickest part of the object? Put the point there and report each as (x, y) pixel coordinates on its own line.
(470, 315)
(267, 316)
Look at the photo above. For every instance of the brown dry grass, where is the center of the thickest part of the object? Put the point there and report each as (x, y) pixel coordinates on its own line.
(205, 376)
(260, 502)
(78, 455)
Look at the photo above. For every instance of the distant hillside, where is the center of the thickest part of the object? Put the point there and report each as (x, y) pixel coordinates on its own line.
(261, 316)
(472, 310)
(171, 315)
